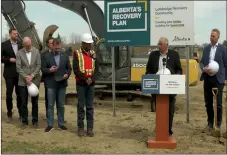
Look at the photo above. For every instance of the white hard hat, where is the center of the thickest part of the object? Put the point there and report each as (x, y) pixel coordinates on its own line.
(33, 90)
(164, 71)
(214, 66)
(87, 38)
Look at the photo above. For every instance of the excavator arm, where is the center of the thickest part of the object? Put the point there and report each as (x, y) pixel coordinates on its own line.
(89, 11)
(14, 13)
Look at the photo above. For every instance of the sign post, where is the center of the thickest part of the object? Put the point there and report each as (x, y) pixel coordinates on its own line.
(187, 83)
(162, 85)
(113, 81)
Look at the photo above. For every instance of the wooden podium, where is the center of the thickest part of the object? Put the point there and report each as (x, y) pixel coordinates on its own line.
(162, 85)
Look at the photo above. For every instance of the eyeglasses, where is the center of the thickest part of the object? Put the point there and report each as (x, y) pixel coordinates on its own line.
(160, 44)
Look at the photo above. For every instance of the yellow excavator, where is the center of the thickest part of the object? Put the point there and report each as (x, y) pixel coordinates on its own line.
(130, 61)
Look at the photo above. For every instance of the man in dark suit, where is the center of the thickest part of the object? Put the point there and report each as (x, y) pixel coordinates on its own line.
(9, 50)
(214, 51)
(155, 63)
(56, 68)
(49, 43)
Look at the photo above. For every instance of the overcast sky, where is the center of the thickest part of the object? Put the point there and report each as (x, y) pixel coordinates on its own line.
(208, 15)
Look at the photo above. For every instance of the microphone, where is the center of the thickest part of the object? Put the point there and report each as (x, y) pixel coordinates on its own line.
(166, 65)
(164, 61)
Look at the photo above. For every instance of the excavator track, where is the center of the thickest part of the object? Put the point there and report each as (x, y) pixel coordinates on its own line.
(103, 97)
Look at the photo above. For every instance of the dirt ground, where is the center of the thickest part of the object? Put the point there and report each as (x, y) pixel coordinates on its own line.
(125, 133)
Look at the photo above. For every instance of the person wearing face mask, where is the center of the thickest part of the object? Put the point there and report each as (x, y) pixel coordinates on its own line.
(85, 67)
(9, 50)
(155, 63)
(28, 64)
(56, 68)
(217, 52)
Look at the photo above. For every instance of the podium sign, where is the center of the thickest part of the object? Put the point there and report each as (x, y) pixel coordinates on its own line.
(163, 84)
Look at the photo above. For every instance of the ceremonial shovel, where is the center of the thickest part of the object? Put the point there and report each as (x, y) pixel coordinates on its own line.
(216, 131)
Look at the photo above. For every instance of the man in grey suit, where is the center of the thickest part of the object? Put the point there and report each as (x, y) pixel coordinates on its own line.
(56, 68)
(28, 64)
(214, 51)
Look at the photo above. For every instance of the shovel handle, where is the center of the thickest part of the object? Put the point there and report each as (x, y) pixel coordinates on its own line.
(215, 91)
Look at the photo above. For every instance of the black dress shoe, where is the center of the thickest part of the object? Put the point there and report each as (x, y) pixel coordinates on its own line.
(63, 127)
(48, 129)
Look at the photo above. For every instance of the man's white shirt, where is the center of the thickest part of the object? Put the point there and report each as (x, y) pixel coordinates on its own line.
(29, 55)
(213, 52)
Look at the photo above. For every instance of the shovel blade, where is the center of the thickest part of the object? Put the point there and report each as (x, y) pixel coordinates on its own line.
(216, 133)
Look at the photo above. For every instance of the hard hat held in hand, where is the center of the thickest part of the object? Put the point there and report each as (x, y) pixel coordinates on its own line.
(164, 71)
(214, 66)
(33, 90)
(87, 38)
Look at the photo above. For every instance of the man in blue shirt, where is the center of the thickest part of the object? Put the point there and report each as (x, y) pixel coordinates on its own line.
(56, 68)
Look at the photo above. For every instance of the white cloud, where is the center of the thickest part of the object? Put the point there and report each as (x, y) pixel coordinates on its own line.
(4, 26)
(101, 4)
(205, 8)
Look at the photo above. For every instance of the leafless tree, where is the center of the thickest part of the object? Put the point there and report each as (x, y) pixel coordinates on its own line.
(74, 38)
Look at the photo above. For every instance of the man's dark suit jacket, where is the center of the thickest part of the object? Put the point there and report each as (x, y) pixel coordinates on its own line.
(7, 53)
(52, 79)
(173, 62)
(42, 57)
(220, 58)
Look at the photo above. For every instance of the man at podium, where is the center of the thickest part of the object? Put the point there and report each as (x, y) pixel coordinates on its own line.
(165, 58)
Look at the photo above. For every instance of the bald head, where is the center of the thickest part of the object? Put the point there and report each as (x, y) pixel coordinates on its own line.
(163, 45)
(27, 42)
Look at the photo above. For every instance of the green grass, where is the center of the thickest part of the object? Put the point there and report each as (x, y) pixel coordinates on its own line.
(18, 147)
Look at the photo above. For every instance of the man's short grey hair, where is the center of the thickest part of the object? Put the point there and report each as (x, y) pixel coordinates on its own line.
(166, 40)
(26, 39)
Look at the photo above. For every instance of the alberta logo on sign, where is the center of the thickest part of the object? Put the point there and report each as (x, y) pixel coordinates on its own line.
(127, 16)
(150, 84)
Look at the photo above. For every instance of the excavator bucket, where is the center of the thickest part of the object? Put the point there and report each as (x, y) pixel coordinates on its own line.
(49, 31)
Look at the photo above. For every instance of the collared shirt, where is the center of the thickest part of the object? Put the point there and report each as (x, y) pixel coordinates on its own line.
(160, 66)
(213, 52)
(29, 56)
(86, 52)
(15, 46)
(57, 58)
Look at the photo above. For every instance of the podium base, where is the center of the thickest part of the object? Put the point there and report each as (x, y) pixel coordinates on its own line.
(170, 144)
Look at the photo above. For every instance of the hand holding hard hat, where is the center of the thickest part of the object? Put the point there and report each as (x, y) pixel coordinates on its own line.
(33, 90)
(213, 68)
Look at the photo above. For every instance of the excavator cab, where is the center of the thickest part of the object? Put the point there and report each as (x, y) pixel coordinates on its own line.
(122, 64)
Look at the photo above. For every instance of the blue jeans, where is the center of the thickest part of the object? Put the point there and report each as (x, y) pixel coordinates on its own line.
(85, 97)
(58, 95)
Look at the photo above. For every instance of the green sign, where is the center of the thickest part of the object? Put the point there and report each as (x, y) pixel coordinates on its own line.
(127, 23)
